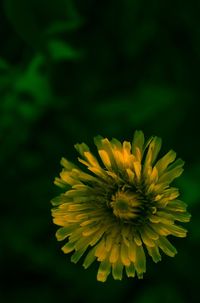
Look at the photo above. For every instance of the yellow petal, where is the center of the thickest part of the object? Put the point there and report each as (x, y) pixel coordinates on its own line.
(137, 169)
(60, 200)
(62, 184)
(100, 249)
(151, 234)
(114, 254)
(117, 270)
(67, 248)
(182, 217)
(126, 153)
(166, 246)
(105, 145)
(119, 159)
(98, 235)
(81, 148)
(160, 229)
(124, 255)
(105, 158)
(177, 205)
(131, 175)
(138, 143)
(104, 270)
(132, 251)
(130, 270)
(91, 159)
(67, 164)
(90, 258)
(90, 230)
(153, 150)
(78, 254)
(64, 232)
(66, 177)
(154, 253)
(88, 222)
(162, 164)
(169, 176)
(100, 173)
(175, 230)
(140, 262)
(153, 176)
(146, 239)
(137, 239)
(109, 241)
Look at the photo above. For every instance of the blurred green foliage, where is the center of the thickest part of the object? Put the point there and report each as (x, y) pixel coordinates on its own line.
(70, 70)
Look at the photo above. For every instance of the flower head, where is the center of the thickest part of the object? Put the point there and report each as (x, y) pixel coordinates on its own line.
(122, 209)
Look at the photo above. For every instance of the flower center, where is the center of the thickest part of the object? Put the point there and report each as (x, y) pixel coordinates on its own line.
(126, 206)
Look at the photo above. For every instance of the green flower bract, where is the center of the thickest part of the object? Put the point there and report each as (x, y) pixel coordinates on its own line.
(119, 211)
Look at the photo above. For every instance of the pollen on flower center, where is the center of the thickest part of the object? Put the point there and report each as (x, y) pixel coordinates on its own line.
(126, 206)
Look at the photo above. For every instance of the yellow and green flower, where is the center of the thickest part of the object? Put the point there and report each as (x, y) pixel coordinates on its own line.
(120, 207)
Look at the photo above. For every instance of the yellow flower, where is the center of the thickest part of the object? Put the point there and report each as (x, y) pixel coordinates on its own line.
(118, 213)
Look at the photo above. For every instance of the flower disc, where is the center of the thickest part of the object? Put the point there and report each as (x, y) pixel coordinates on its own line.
(120, 210)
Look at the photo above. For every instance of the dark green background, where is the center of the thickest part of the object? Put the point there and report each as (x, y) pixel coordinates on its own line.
(70, 70)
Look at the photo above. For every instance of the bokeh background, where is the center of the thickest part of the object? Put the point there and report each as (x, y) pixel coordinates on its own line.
(70, 70)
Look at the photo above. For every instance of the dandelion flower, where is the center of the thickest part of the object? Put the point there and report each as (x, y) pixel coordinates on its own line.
(120, 208)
